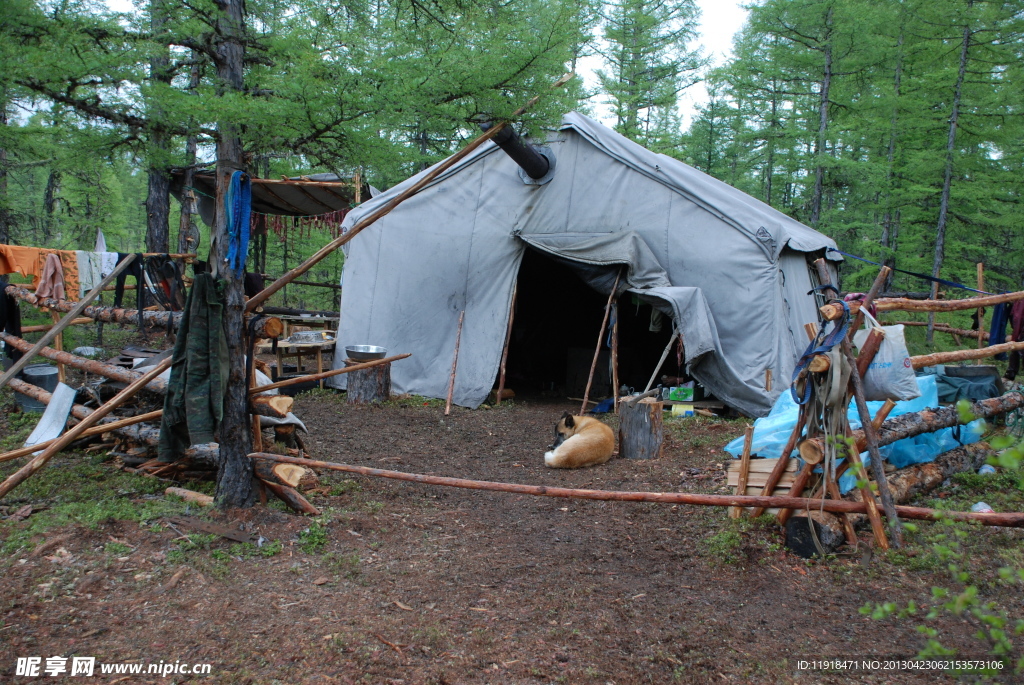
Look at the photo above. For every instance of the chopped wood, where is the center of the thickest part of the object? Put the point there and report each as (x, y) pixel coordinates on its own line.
(191, 496)
(1014, 520)
(282, 474)
(276, 406)
(641, 429)
(95, 430)
(292, 498)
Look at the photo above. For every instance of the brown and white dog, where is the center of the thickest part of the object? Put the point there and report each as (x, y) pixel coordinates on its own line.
(580, 441)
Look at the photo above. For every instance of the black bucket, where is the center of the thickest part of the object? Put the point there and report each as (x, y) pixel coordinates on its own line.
(42, 375)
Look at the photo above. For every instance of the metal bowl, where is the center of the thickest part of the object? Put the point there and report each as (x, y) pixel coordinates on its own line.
(365, 353)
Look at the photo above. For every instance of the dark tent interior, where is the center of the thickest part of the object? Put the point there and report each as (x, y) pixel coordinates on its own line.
(554, 333)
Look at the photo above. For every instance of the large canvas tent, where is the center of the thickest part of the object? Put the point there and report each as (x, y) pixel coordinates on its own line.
(730, 271)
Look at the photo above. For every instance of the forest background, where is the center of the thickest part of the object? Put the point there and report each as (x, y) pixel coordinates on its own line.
(893, 126)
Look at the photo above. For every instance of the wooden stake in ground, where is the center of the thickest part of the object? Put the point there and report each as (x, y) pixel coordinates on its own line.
(783, 462)
(455, 364)
(741, 489)
(600, 340)
(330, 247)
(981, 310)
(58, 344)
(48, 337)
(508, 339)
(70, 436)
(615, 357)
(664, 356)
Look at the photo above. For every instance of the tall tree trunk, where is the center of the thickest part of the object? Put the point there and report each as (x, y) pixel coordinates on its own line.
(234, 477)
(50, 204)
(819, 143)
(891, 217)
(187, 223)
(947, 175)
(772, 126)
(5, 208)
(158, 198)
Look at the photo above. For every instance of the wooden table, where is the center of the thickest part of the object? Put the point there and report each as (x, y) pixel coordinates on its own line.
(329, 323)
(298, 350)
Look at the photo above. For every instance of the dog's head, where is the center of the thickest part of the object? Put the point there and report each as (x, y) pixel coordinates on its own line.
(564, 429)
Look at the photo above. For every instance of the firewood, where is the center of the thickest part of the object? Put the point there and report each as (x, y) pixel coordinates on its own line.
(279, 405)
(282, 474)
(292, 498)
(641, 429)
(831, 312)
(191, 496)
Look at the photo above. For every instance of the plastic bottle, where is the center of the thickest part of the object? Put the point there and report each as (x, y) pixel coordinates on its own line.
(982, 508)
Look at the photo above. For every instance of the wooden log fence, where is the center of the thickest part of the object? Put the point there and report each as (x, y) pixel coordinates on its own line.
(267, 327)
(1013, 520)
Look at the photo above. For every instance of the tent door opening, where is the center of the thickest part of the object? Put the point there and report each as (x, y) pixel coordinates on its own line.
(557, 320)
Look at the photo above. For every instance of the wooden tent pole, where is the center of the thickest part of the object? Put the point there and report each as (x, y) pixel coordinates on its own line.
(1015, 520)
(615, 357)
(443, 166)
(455, 365)
(70, 436)
(664, 356)
(600, 339)
(48, 337)
(508, 339)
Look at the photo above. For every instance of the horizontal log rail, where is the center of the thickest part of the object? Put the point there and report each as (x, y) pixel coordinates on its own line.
(942, 328)
(327, 374)
(267, 327)
(937, 358)
(1014, 520)
(908, 305)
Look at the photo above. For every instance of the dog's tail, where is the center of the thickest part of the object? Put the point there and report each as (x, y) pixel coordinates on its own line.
(549, 458)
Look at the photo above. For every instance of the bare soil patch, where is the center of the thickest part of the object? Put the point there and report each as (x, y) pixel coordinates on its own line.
(403, 583)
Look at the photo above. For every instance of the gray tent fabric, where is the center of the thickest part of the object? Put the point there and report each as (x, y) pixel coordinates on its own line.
(731, 270)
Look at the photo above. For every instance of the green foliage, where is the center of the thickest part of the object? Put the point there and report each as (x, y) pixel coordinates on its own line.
(724, 546)
(313, 539)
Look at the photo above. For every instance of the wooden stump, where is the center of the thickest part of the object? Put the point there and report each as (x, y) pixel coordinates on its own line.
(828, 530)
(641, 431)
(368, 385)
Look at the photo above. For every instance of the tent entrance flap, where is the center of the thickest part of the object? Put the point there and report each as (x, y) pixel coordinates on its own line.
(559, 307)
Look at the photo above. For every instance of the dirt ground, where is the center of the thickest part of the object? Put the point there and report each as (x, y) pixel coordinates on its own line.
(403, 583)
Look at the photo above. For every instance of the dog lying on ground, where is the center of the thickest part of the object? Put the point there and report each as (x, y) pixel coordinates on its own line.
(580, 441)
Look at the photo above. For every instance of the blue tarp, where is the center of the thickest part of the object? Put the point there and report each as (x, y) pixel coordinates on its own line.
(772, 432)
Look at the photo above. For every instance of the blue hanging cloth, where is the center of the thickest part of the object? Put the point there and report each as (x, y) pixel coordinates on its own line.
(820, 345)
(239, 206)
(997, 332)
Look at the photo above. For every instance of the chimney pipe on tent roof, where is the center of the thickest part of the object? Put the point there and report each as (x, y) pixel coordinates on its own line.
(525, 155)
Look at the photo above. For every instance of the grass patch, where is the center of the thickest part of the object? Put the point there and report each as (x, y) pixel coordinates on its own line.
(313, 539)
(413, 401)
(724, 546)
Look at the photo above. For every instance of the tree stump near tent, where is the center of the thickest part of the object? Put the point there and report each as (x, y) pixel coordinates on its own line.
(368, 385)
(641, 430)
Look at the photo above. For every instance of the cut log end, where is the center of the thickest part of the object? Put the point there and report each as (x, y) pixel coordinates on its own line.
(819, 364)
(812, 450)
